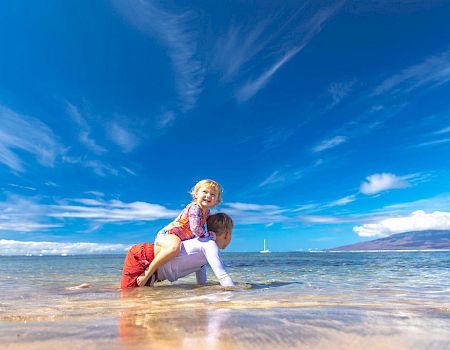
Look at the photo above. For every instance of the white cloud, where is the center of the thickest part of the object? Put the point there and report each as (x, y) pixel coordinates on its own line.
(85, 130)
(12, 247)
(95, 193)
(433, 72)
(330, 143)
(377, 183)
(19, 214)
(416, 221)
(321, 219)
(176, 32)
(110, 211)
(24, 225)
(19, 132)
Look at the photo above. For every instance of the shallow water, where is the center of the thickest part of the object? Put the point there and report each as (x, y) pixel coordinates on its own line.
(284, 300)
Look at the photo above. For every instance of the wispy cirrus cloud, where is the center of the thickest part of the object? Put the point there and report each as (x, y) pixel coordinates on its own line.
(443, 131)
(240, 44)
(23, 133)
(250, 213)
(339, 90)
(286, 48)
(416, 221)
(13, 247)
(342, 201)
(99, 167)
(122, 136)
(250, 88)
(432, 72)
(177, 33)
(251, 207)
(85, 129)
(280, 178)
(166, 119)
(437, 203)
(330, 143)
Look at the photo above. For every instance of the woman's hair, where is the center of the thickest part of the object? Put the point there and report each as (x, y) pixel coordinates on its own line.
(220, 223)
(210, 184)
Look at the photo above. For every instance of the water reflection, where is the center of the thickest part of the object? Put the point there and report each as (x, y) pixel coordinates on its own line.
(174, 329)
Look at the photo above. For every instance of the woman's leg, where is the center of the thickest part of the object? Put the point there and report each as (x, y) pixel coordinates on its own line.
(169, 248)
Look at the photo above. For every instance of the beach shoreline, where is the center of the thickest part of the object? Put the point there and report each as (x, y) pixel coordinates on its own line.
(283, 300)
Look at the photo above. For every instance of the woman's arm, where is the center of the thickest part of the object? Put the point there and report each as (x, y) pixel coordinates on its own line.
(201, 275)
(211, 251)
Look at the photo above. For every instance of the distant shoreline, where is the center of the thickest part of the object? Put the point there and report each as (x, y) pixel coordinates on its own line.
(231, 253)
(388, 251)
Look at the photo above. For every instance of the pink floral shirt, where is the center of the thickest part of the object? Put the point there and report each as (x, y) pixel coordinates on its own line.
(189, 224)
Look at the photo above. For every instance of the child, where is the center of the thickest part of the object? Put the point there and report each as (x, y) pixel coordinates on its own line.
(196, 253)
(191, 223)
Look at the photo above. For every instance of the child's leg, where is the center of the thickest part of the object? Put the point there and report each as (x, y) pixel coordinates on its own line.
(169, 248)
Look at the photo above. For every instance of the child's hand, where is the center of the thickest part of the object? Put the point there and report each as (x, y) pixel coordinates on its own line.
(212, 235)
(140, 280)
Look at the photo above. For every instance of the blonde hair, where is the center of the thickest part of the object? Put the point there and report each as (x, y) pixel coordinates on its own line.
(209, 184)
(220, 223)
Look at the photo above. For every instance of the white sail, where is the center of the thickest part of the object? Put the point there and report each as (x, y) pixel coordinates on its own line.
(264, 250)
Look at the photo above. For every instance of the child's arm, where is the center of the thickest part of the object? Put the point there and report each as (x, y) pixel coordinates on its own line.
(195, 222)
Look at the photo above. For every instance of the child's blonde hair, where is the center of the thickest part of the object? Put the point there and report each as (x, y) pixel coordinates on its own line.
(220, 223)
(209, 184)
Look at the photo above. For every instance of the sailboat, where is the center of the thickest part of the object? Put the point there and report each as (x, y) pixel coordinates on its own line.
(265, 250)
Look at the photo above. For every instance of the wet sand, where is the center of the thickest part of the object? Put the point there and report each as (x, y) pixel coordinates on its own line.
(205, 318)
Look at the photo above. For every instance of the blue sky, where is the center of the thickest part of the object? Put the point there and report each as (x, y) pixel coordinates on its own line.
(327, 123)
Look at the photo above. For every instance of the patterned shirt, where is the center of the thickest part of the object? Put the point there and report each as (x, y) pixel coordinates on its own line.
(189, 224)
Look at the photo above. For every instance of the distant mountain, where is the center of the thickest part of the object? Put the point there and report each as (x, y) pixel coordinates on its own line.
(416, 240)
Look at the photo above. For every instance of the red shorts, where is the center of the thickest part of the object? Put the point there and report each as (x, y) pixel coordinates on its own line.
(138, 259)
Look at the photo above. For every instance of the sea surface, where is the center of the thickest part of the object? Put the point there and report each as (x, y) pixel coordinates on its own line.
(321, 300)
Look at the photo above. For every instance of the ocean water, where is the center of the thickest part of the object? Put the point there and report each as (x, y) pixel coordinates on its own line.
(391, 300)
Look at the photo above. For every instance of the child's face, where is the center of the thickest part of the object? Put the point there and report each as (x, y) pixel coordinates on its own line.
(206, 197)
